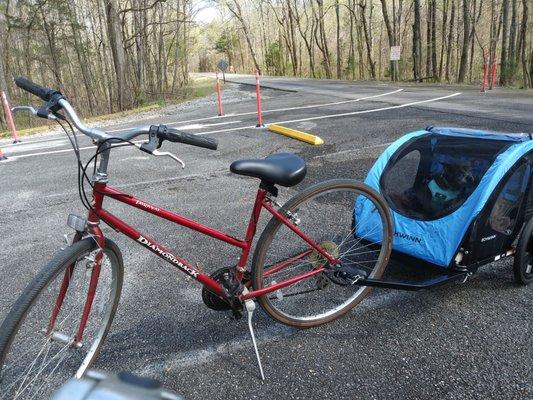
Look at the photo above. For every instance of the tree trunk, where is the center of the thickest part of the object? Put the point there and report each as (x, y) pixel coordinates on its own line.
(443, 36)
(417, 42)
(236, 10)
(185, 55)
(114, 33)
(434, 70)
(466, 41)
(368, 39)
(428, 39)
(527, 74)
(449, 50)
(391, 36)
(322, 42)
(82, 60)
(3, 80)
(337, 17)
(512, 35)
(294, 53)
(504, 68)
(177, 49)
(352, 43)
(50, 33)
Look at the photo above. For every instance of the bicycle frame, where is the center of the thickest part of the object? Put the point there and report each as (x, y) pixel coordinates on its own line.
(97, 213)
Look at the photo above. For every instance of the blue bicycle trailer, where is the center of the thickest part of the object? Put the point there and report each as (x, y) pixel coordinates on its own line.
(459, 198)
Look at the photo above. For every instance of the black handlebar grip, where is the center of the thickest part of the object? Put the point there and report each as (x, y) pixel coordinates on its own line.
(173, 135)
(40, 91)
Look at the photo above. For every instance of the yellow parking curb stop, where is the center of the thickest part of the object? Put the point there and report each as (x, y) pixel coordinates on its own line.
(293, 133)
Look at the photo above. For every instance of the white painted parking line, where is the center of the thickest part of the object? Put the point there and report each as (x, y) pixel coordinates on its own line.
(35, 146)
(350, 151)
(275, 110)
(277, 122)
(24, 140)
(340, 114)
(371, 111)
(201, 126)
(43, 153)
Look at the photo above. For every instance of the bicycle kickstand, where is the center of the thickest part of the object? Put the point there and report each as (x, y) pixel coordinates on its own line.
(250, 308)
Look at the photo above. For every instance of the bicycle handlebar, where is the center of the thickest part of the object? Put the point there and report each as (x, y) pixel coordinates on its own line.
(55, 100)
(40, 91)
(174, 135)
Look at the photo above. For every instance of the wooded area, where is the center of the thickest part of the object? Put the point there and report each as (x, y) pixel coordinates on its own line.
(110, 55)
(107, 55)
(441, 41)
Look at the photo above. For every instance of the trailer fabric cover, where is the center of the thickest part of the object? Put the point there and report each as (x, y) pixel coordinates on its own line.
(438, 240)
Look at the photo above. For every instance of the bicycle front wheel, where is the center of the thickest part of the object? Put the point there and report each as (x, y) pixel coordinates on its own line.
(39, 352)
(326, 213)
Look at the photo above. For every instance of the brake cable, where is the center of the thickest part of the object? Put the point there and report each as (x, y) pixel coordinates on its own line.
(82, 169)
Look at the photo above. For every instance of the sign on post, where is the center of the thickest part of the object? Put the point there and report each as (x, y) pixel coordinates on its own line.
(223, 66)
(395, 52)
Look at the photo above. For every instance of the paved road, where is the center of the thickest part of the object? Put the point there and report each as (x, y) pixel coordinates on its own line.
(460, 341)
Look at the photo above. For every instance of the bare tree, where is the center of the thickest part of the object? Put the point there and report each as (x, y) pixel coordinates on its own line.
(235, 8)
(466, 41)
(114, 32)
(417, 42)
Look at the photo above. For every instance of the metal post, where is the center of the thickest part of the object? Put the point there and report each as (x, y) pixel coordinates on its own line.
(219, 97)
(258, 97)
(9, 119)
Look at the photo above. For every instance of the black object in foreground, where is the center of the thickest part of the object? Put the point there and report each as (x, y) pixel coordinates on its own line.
(103, 386)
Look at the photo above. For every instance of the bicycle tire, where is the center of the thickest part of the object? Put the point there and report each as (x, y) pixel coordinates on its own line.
(23, 306)
(267, 237)
(523, 258)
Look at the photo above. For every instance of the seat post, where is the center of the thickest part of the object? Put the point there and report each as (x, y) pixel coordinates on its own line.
(269, 187)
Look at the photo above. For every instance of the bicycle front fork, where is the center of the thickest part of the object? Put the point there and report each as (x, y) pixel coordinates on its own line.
(93, 230)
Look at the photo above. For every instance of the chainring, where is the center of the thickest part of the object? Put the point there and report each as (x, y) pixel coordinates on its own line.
(212, 300)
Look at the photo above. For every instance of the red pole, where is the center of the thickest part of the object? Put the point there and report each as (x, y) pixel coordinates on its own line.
(485, 75)
(493, 75)
(258, 97)
(219, 98)
(9, 119)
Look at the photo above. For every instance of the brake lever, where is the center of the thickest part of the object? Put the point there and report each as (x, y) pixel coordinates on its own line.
(32, 111)
(158, 153)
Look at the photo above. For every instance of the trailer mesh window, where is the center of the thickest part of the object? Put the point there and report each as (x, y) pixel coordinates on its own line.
(432, 176)
(505, 211)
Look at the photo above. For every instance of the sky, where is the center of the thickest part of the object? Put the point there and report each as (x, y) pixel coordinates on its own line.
(207, 12)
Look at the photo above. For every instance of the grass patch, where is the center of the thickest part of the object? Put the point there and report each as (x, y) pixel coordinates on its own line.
(202, 87)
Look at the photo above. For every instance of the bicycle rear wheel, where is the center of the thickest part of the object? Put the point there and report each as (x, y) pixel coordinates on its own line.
(36, 358)
(326, 214)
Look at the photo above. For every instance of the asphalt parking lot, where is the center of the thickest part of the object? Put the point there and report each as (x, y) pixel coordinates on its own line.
(462, 341)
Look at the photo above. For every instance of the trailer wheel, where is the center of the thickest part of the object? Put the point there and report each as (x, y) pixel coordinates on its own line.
(523, 259)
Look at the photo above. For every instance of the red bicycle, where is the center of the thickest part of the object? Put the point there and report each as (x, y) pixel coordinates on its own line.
(304, 270)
